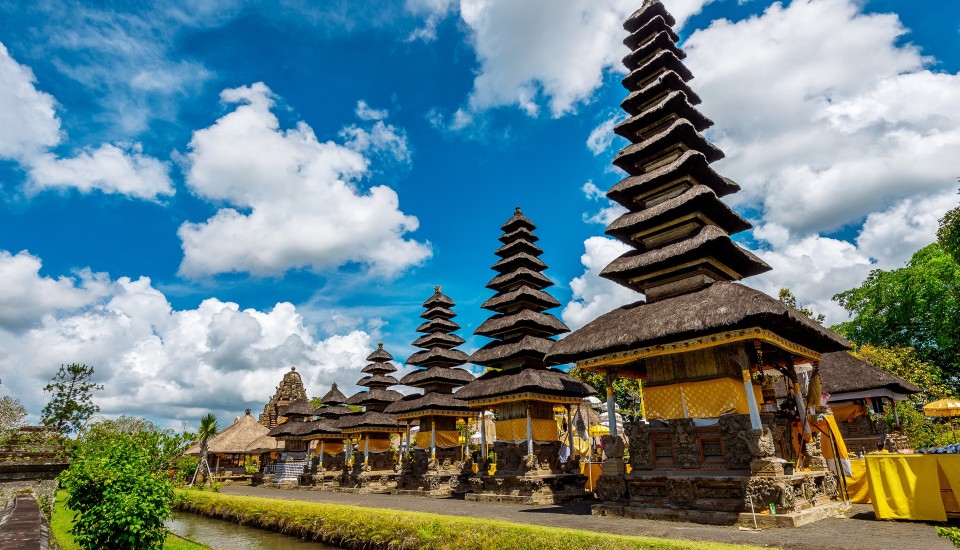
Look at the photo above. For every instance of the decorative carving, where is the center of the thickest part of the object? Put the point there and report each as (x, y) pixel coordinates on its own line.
(685, 443)
(611, 488)
(830, 485)
(813, 455)
(446, 464)
(682, 491)
(641, 454)
(760, 442)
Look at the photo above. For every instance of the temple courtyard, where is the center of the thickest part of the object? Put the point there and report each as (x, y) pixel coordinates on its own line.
(856, 529)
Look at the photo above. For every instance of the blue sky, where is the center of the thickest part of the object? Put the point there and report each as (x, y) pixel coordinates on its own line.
(198, 196)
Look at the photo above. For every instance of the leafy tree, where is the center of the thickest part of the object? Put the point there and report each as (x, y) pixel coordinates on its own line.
(118, 483)
(71, 402)
(914, 306)
(626, 391)
(208, 428)
(789, 300)
(12, 414)
(905, 363)
(949, 233)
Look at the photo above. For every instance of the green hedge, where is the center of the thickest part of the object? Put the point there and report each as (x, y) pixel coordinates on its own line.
(355, 527)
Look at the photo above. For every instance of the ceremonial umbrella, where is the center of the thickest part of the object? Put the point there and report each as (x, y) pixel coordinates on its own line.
(947, 407)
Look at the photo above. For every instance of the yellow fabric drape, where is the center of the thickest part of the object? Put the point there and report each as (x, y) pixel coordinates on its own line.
(544, 429)
(830, 425)
(905, 487)
(376, 445)
(857, 485)
(849, 412)
(330, 448)
(703, 399)
(949, 481)
(446, 438)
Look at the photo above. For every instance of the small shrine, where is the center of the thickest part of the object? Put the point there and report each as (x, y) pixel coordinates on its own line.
(327, 451)
(295, 425)
(290, 389)
(526, 463)
(372, 466)
(713, 445)
(436, 463)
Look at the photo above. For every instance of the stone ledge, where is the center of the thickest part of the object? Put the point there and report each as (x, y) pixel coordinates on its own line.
(666, 514)
(794, 519)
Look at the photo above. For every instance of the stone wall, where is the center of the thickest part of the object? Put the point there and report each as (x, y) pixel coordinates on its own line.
(30, 462)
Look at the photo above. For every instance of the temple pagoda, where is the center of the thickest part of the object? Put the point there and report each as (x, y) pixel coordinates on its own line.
(372, 430)
(327, 448)
(296, 424)
(289, 390)
(701, 341)
(436, 460)
(519, 383)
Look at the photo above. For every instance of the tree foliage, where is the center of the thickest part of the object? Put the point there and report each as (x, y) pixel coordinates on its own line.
(626, 391)
(207, 429)
(789, 300)
(916, 306)
(905, 363)
(118, 483)
(71, 402)
(948, 236)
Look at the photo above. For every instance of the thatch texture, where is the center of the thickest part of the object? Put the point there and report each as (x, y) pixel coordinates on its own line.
(378, 368)
(264, 444)
(517, 221)
(438, 339)
(634, 102)
(299, 408)
(377, 380)
(673, 103)
(334, 396)
(369, 419)
(632, 156)
(843, 373)
(293, 430)
(532, 298)
(373, 396)
(438, 325)
(521, 276)
(437, 375)
(502, 351)
(532, 321)
(437, 356)
(235, 439)
(439, 299)
(502, 382)
(521, 233)
(380, 355)
(335, 411)
(664, 60)
(431, 401)
(518, 246)
(648, 11)
(719, 307)
(662, 40)
(521, 259)
(692, 163)
(438, 313)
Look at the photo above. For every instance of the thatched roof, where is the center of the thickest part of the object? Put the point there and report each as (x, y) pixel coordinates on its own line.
(429, 401)
(521, 233)
(500, 351)
(649, 10)
(377, 380)
(531, 297)
(681, 131)
(652, 27)
(374, 395)
(674, 103)
(302, 429)
(438, 339)
(517, 221)
(434, 375)
(334, 396)
(697, 199)
(520, 259)
(298, 408)
(663, 60)
(517, 246)
(380, 354)
(533, 321)
(369, 419)
(635, 101)
(438, 313)
(264, 444)
(841, 372)
(378, 368)
(437, 356)
(500, 382)
(335, 411)
(662, 40)
(438, 325)
(235, 439)
(693, 163)
(522, 275)
(439, 299)
(719, 307)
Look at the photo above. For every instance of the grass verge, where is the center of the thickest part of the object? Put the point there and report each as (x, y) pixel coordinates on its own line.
(62, 522)
(356, 527)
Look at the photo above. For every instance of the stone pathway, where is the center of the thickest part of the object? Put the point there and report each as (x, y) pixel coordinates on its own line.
(22, 527)
(859, 530)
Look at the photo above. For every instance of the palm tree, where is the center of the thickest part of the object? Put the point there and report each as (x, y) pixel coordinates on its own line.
(208, 428)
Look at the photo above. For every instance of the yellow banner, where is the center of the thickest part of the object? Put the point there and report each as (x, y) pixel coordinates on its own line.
(906, 487)
(445, 438)
(329, 448)
(544, 429)
(848, 413)
(703, 399)
(376, 445)
(857, 486)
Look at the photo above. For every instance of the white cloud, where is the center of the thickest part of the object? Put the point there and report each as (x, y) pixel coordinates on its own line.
(29, 129)
(365, 112)
(155, 360)
(601, 138)
(606, 215)
(593, 295)
(302, 207)
(380, 139)
(434, 11)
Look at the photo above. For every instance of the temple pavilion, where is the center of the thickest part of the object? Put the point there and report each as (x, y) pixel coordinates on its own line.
(436, 459)
(296, 424)
(519, 385)
(703, 343)
(327, 448)
(372, 431)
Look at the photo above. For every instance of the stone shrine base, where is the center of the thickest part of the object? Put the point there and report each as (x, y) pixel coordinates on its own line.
(708, 517)
(531, 489)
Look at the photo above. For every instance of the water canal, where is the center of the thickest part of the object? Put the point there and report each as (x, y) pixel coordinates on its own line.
(224, 535)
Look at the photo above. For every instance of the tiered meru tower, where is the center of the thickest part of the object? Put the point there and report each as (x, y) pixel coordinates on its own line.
(436, 458)
(372, 430)
(518, 382)
(700, 341)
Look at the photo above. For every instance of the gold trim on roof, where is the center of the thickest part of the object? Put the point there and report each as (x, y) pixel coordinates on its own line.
(432, 412)
(396, 430)
(599, 364)
(525, 396)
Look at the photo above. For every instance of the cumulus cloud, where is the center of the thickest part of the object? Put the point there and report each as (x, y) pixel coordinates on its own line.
(433, 11)
(382, 139)
(155, 360)
(294, 202)
(609, 212)
(593, 295)
(30, 128)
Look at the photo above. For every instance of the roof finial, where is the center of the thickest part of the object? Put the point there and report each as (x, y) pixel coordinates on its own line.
(518, 210)
(333, 386)
(380, 345)
(436, 288)
(248, 412)
(293, 369)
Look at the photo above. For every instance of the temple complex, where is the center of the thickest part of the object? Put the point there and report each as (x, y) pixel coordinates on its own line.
(526, 464)
(435, 462)
(716, 445)
(289, 390)
(374, 470)
(327, 451)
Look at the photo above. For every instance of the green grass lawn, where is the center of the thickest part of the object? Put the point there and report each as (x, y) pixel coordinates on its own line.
(356, 527)
(62, 521)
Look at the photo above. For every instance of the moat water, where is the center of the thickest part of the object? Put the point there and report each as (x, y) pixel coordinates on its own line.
(225, 535)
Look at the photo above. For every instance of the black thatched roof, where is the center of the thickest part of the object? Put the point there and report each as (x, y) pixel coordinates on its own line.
(501, 382)
(374, 396)
(499, 351)
(438, 313)
(664, 60)
(674, 102)
(334, 396)
(529, 297)
(429, 401)
(521, 233)
(377, 380)
(335, 411)
(438, 325)
(437, 356)
(632, 157)
(635, 101)
(438, 339)
(439, 299)
(517, 246)
(517, 221)
(532, 321)
(719, 307)
(521, 259)
(841, 372)
(378, 368)
(369, 419)
(437, 375)
(662, 40)
(298, 408)
(521, 276)
(302, 429)
(380, 355)
(650, 10)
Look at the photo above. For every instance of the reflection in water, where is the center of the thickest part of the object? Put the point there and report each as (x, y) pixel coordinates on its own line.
(224, 535)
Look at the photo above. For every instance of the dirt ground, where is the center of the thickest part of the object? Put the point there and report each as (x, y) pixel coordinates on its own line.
(858, 530)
